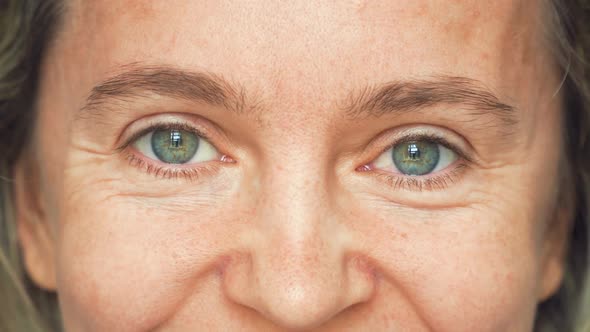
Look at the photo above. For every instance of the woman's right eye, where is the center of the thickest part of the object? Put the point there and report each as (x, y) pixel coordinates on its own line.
(175, 146)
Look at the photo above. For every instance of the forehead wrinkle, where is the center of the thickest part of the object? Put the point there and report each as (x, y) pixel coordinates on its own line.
(243, 94)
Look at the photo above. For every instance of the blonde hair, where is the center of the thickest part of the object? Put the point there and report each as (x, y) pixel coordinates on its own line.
(26, 29)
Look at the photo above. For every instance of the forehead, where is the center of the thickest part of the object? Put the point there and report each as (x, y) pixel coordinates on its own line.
(304, 48)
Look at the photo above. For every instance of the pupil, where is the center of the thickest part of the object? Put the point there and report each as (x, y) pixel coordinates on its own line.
(174, 146)
(413, 151)
(175, 139)
(416, 158)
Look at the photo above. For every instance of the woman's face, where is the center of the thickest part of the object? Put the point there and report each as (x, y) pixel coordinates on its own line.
(249, 165)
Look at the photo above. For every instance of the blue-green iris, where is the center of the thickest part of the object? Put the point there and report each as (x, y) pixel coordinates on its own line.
(416, 158)
(174, 146)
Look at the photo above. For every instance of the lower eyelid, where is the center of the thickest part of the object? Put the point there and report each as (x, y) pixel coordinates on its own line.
(432, 182)
(149, 166)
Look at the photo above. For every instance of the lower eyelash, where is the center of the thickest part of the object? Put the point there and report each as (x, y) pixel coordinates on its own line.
(420, 183)
(191, 174)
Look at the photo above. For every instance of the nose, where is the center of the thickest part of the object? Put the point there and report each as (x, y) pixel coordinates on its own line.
(300, 267)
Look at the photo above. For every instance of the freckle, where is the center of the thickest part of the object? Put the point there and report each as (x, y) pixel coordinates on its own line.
(362, 6)
(509, 277)
(404, 235)
(422, 10)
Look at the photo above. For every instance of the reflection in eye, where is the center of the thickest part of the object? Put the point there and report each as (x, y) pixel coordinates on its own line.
(416, 158)
(175, 146)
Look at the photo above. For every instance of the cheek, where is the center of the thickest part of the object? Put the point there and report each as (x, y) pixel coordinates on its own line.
(126, 265)
(465, 269)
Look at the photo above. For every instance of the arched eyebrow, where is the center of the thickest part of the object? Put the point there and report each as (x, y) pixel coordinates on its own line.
(394, 97)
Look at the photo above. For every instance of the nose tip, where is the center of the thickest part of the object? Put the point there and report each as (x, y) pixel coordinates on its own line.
(308, 300)
(300, 306)
(299, 294)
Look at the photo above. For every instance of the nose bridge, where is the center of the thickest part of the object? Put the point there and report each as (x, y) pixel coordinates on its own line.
(294, 217)
(299, 273)
(297, 266)
(296, 192)
(293, 198)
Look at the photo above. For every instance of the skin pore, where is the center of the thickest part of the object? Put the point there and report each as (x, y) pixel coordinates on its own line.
(295, 221)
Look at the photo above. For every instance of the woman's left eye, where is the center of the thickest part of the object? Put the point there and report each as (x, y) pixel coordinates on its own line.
(416, 158)
(175, 146)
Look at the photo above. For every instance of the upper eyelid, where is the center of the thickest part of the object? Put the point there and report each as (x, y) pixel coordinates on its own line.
(163, 126)
(205, 130)
(409, 133)
(434, 139)
(393, 136)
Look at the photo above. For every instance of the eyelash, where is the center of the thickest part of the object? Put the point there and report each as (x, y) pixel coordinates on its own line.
(169, 172)
(192, 174)
(433, 182)
(436, 182)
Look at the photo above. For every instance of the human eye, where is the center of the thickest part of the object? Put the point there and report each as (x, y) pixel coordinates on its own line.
(173, 150)
(420, 162)
(175, 146)
(416, 158)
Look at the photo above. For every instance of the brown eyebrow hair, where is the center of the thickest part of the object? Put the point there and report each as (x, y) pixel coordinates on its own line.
(141, 81)
(413, 95)
(137, 81)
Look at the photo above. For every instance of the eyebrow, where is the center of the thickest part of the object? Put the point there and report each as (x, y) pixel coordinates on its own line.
(143, 81)
(407, 96)
(392, 97)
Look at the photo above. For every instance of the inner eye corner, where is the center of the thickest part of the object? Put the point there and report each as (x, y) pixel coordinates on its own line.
(364, 168)
(227, 159)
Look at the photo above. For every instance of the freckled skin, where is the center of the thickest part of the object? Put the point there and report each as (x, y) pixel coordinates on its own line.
(291, 236)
